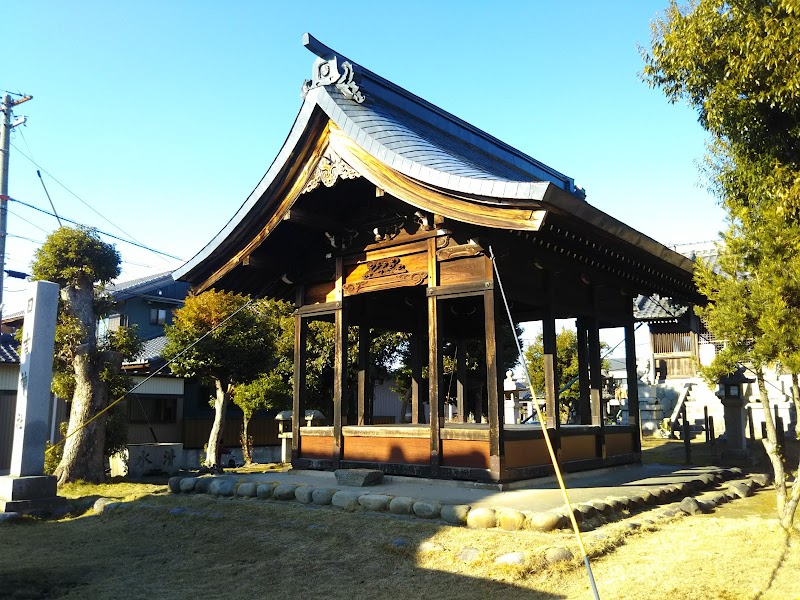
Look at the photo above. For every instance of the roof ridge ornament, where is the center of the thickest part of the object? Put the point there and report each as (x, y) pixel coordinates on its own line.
(328, 70)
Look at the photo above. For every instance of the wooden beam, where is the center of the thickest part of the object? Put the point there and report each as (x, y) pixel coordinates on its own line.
(299, 385)
(494, 385)
(434, 361)
(364, 412)
(551, 374)
(584, 400)
(634, 418)
(339, 368)
(312, 220)
(596, 383)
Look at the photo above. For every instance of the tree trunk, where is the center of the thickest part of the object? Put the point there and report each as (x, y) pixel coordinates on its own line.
(771, 446)
(247, 454)
(796, 400)
(83, 450)
(223, 396)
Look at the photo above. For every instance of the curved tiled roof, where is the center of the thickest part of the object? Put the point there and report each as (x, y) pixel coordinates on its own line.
(386, 128)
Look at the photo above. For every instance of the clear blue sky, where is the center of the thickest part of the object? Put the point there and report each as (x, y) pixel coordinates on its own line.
(163, 116)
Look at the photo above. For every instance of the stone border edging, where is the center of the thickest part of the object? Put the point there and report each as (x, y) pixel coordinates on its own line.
(695, 496)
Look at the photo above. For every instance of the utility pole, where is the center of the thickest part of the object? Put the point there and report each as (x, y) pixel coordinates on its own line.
(5, 141)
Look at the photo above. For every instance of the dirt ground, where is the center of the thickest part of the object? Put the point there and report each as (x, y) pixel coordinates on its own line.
(174, 547)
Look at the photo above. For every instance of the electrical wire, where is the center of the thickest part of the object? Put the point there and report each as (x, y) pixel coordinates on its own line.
(105, 233)
(153, 374)
(21, 218)
(546, 436)
(89, 206)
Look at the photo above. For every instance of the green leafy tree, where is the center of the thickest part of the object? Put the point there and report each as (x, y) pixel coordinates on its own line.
(224, 339)
(566, 365)
(736, 63)
(87, 367)
(270, 390)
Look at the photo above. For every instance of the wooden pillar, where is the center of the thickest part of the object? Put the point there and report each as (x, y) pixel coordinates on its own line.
(299, 387)
(596, 383)
(551, 375)
(417, 408)
(584, 401)
(339, 366)
(434, 359)
(494, 384)
(364, 383)
(461, 380)
(633, 388)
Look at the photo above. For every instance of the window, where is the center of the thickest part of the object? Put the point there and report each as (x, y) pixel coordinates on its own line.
(158, 316)
(153, 409)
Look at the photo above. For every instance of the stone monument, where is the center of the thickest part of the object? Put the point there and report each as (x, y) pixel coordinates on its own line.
(27, 487)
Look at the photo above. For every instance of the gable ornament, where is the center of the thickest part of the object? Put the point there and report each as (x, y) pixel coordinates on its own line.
(328, 171)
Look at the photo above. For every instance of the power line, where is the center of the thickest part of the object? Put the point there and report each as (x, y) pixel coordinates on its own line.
(89, 206)
(111, 235)
(29, 222)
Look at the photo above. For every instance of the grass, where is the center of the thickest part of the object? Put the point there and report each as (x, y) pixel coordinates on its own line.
(253, 548)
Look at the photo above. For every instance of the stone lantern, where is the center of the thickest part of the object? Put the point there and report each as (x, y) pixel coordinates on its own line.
(730, 392)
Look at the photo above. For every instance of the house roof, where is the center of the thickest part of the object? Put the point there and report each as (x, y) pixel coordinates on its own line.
(9, 349)
(656, 308)
(416, 152)
(151, 350)
(123, 290)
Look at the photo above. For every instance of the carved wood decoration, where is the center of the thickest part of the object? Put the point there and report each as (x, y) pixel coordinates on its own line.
(328, 171)
(460, 251)
(387, 266)
(383, 274)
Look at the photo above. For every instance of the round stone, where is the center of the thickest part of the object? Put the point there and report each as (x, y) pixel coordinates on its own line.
(304, 494)
(264, 490)
(9, 516)
(510, 519)
(691, 507)
(556, 555)
(761, 479)
(284, 491)
(187, 484)
(481, 518)
(174, 485)
(100, 504)
(602, 507)
(427, 510)
(455, 514)
(512, 558)
(740, 489)
(201, 485)
(469, 555)
(226, 487)
(401, 505)
(322, 496)
(545, 521)
(430, 547)
(375, 502)
(347, 500)
(248, 489)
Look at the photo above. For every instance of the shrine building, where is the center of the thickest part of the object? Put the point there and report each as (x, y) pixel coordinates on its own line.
(386, 213)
